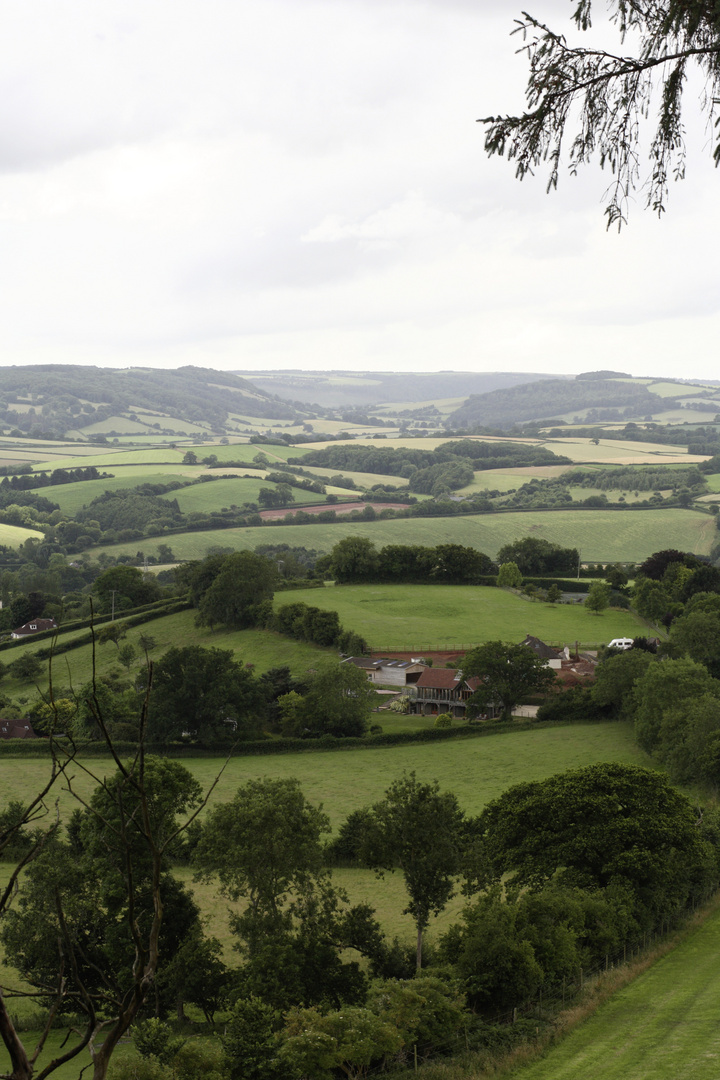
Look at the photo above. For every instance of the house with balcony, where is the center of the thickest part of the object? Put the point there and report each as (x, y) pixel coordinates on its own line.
(442, 690)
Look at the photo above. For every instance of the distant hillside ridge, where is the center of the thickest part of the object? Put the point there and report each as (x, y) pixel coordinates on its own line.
(342, 389)
(40, 399)
(552, 397)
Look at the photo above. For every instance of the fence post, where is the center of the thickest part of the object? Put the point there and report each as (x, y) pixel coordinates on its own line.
(415, 1052)
(563, 991)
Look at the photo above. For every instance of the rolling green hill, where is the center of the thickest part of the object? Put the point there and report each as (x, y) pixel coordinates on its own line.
(600, 535)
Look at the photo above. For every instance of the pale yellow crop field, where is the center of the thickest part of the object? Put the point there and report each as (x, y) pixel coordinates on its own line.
(620, 452)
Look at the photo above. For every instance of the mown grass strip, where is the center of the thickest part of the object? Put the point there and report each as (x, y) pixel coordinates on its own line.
(663, 1025)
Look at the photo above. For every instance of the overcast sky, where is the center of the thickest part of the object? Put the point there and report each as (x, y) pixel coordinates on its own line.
(251, 184)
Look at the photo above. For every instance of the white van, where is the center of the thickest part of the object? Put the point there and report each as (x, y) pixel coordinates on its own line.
(621, 643)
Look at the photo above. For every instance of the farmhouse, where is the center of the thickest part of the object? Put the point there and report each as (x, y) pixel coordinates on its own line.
(16, 729)
(441, 690)
(34, 627)
(553, 657)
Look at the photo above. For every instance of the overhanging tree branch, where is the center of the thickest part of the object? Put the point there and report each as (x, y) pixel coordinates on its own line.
(608, 98)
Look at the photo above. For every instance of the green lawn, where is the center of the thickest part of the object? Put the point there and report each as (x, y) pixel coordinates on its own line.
(425, 616)
(663, 1026)
(601, 535)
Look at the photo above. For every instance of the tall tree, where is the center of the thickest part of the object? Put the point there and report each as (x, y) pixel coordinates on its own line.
(595, 102)
(240, 591)
(506, 673)
(87, 928)
(419, 829)
(598, 597)
(604, 826)
(206, 694)
(265, 847)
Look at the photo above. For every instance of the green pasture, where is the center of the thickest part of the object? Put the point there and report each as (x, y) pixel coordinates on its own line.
(71, 497)
(687, 415)
(443, 405)
(600, 535)
(225, 493)
(663, 1026)
(14, 535)
(619, 451)
(55, 1046)
(362, 479)
(713, 481)
(422, 616)
(675, 389)
(246, 451)
(612, 494)
(118, 424)
(476, 769)
(107, 458)
(508, 479)
(263, 648)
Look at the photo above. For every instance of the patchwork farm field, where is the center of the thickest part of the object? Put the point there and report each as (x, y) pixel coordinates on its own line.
(600, 535)
(71, 497)
(396, 617)
(663, 1026)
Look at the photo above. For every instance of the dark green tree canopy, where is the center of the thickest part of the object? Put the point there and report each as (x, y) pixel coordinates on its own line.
(129, 582)
(533, 556)
(240, 591)
(206, 694)
(507, 674)
(594, 103)
(601, 826)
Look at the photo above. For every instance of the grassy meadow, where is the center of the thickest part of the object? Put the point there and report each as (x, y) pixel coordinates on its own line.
(413, 616)
(13, 536)
(477, 769)
(600, 535)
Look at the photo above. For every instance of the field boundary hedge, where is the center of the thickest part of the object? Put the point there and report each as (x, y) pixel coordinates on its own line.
(155, 610)
(262, 747)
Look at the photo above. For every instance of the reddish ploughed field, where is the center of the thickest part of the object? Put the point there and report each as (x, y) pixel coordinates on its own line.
(339, 508)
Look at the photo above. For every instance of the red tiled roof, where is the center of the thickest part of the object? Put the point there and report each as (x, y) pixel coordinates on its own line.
(439, 679)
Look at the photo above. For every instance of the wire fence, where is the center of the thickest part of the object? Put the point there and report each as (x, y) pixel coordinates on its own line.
(422, 649)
